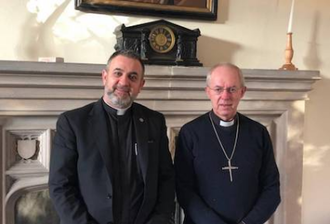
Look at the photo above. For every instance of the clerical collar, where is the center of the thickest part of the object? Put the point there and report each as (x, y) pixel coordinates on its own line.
(122, 111)
(227, 123)
(115, 111)
(220, 122)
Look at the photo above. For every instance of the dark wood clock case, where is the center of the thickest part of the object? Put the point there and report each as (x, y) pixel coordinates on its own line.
(160, 43)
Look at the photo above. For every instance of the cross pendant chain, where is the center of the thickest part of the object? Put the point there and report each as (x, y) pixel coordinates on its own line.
(230, 168)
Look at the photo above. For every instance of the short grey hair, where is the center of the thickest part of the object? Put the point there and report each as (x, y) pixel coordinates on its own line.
(228, 65)
(129, 54)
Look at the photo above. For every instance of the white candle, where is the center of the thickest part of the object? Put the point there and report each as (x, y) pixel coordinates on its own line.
(291, 17)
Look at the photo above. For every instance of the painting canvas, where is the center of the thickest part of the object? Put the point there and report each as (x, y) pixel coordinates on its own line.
(187, 9)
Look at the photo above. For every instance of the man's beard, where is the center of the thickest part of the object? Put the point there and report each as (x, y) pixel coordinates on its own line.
(120, 102)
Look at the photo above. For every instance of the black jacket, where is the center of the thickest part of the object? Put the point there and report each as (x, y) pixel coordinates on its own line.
(80, 170)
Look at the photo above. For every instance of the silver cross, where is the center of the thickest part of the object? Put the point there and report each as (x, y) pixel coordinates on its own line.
(230, 168)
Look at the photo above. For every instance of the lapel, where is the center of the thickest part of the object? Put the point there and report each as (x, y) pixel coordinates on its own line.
(99, 132)
(141, 132)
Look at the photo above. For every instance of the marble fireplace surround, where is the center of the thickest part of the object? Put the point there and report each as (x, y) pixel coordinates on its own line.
(33, 94)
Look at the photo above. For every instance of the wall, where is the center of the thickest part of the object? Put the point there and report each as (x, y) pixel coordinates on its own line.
(250, 33)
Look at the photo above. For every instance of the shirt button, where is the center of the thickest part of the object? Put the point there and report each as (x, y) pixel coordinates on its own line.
(109, 196)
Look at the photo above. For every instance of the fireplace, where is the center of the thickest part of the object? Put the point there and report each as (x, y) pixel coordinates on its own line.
(33, 94)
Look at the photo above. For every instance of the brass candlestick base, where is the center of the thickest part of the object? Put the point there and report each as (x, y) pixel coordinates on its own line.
(288, 54)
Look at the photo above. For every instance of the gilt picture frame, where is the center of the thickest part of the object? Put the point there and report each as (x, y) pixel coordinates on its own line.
(186, 9)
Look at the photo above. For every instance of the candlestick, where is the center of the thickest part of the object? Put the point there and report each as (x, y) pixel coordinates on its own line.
(291, 17)
(288, 54)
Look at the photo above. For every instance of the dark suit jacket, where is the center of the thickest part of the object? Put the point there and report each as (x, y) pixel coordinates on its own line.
(80, 170)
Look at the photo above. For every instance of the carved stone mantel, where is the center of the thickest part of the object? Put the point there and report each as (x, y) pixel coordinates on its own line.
(33, 94)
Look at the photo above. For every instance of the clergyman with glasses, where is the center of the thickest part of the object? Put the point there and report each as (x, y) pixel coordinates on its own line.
(225, 167)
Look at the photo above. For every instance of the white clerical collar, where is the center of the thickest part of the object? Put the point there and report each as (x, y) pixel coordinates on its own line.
(226, 123)
(119, 111)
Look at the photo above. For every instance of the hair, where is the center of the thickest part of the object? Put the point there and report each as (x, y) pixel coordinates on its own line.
(129, 54)
(228, 65)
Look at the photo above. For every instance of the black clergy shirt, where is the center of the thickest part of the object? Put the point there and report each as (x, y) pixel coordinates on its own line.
(204, 189)
(126, 176)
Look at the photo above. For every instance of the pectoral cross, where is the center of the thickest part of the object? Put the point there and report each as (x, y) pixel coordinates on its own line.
(230, 168)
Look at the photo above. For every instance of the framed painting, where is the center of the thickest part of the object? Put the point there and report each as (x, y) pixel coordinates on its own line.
(187, 9)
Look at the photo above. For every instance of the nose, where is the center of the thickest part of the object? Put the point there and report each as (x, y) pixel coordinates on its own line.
(124, 81)
(225, 94)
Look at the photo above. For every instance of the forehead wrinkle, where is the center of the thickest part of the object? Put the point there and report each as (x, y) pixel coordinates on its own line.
(129, 73)
(133, 73)
(118, 69)
(218, 86)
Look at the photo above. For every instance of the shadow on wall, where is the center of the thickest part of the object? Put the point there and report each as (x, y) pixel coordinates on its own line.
(211, 51)
(38, 37)
(35, 208)
(57, 29)
(223, 8)
(312, 60)
(317, 149)
(313, 156)
(215, 50)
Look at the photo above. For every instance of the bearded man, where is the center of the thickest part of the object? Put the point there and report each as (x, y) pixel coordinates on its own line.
(110, 162)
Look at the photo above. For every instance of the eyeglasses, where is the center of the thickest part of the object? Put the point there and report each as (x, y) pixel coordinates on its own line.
(219, 90)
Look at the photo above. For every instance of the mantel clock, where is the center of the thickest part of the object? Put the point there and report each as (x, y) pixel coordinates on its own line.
(160, 43)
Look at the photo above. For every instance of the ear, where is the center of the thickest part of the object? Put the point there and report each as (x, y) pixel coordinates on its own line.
(104, 76)
(207, 91)
(142, 83)
(243, 90)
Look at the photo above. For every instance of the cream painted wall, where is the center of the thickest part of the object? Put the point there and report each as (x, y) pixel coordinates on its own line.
(250, 33)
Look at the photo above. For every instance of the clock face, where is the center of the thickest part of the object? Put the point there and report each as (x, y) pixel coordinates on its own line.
(162, 39)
